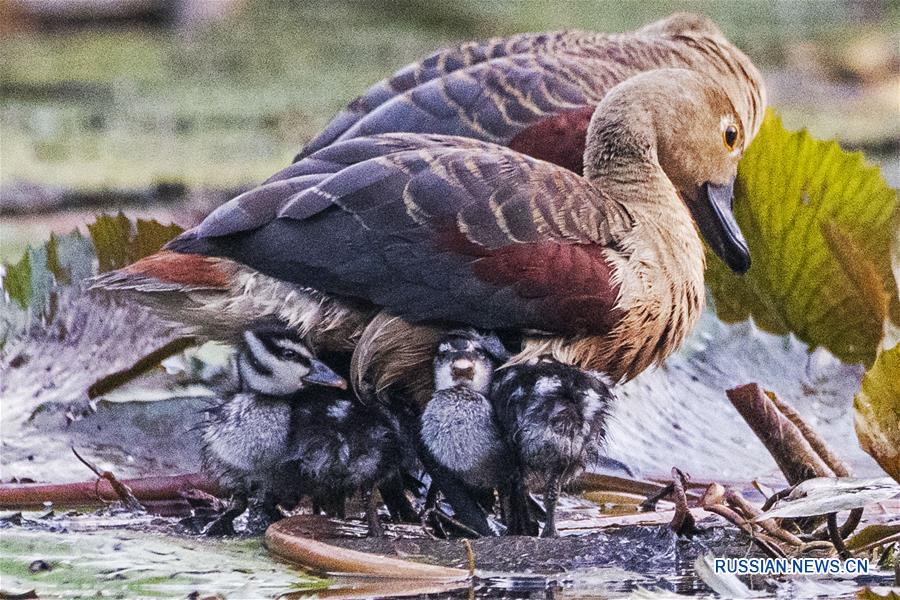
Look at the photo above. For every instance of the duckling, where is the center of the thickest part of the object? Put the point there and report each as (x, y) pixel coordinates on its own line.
(246, 437)
(338, 446)
(458, 426)
(553, 417)
(290, 431)
(461, 445)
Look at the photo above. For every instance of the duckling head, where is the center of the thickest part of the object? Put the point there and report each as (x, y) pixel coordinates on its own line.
(684, 122)
(467, 358)
(274, 360)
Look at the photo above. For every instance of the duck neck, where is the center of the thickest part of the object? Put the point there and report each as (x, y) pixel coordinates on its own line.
(660, 259)
(622, 160)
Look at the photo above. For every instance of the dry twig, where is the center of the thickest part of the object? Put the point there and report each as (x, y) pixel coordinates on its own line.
(126, 496)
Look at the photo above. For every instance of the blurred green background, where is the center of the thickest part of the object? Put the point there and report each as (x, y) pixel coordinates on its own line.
(163, 107)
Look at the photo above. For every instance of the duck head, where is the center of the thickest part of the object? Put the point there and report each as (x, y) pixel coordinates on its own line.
(467, 358)
(274, 360)
(685, 122)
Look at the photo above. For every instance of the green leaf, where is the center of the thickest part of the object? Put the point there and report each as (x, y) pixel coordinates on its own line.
(819, 223)
(877, 411)
(115, 241)
(119, 242)
(17, 280)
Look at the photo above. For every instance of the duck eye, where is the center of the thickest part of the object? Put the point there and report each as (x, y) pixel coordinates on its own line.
(730, 136)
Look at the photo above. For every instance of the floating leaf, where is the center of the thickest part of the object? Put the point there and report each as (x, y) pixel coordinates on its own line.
(823, 495)
(819, 224)
(877, 411)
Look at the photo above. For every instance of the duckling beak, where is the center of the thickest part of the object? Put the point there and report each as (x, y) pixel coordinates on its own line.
(712, 211)
(321, 374)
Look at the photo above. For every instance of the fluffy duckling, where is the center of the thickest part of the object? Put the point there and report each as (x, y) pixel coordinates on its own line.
(339, 446)
(458, 426)
(554, 419)
(289, 430)
(246, 437)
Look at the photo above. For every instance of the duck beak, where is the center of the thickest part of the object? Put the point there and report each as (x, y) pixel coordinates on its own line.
(714, 216)
(320, 374)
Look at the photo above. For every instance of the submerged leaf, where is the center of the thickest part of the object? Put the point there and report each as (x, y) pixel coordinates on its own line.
(872, 534)
(819, 223)
(877, 411)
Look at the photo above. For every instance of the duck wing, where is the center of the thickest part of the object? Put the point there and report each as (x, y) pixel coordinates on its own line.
(432, 228)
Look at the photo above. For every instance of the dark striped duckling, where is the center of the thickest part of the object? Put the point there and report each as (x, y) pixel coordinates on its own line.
(289, 430)
(553, 417)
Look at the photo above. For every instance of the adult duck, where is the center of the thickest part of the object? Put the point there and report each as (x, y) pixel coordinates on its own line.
(533, 92)
(603, 271)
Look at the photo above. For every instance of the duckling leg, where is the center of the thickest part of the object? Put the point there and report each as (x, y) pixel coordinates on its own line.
(466, 509)
(375, 527)
(551, 495)
(394, 496)
(517, 512)
(431, 497)
(224, 523)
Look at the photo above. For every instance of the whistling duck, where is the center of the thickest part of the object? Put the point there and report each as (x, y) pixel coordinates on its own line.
(288, 431)
(461, 446)
(533, 92)
(603, 271)
(553, 417)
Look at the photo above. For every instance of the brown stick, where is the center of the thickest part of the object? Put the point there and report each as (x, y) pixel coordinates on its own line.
(882, 542)
(749, 511)
(683, 522)
(834, 463)
(113, 380)
(650, 502)
(470, 556)
(148, 489)
(767, 545)
(587, 482)
(785, 442)
(835, 535)
(852, 522)
(124, 493)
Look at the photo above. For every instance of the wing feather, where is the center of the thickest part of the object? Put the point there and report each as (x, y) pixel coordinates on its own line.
(430, 229)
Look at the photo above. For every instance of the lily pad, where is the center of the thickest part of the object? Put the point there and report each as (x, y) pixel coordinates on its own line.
(877, 411)
(134, 564)
(819, 223)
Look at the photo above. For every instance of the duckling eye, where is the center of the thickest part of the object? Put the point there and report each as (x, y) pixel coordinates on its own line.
(288, 354)
(729, 136)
